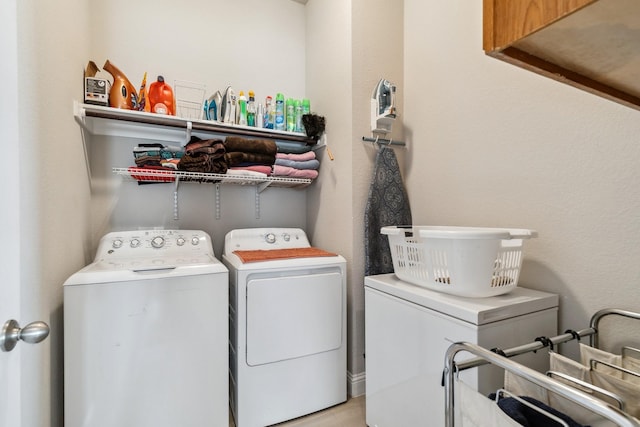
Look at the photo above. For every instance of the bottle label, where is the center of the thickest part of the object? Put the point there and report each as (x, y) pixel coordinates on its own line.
(160, 108)
(279, 115)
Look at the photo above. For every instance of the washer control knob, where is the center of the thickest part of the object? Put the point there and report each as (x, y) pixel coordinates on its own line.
(117, 243)
(286, 237)
(134, 243)
(195, 241)
(180, 241)
(157, 242)
(270, 238)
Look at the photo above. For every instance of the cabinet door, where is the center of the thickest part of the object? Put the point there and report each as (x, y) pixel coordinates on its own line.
(593, 45)
(506, 21)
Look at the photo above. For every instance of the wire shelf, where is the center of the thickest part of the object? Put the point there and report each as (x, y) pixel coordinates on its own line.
(157, 175)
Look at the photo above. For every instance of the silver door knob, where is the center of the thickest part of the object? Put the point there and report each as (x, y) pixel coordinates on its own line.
(11, 333)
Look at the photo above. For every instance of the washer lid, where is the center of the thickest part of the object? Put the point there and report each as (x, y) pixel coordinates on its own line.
(477, 311)
(132, 270)
(150, 254)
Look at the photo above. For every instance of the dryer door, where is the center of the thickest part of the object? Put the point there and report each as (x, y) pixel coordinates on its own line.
(293, 316)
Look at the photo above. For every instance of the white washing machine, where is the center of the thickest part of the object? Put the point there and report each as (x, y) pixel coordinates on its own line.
(409, 328)
(146, 333)
(287, 323)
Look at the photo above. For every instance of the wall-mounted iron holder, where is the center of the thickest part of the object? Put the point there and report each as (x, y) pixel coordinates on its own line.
(383, 141)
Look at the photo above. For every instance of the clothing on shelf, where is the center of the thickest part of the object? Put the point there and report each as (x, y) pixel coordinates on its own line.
(228, 156)
(206, 156)
(293, 172)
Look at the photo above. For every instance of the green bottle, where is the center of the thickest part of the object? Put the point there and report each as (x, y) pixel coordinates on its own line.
(298, 112)
(242, 110)
(306, 106)
(251, 109)
(291, 115)
(279, 125)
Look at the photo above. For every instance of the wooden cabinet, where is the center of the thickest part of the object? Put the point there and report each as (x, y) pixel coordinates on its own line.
(593, 45)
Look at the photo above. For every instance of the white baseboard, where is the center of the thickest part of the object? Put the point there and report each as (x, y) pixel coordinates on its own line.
(356, 384)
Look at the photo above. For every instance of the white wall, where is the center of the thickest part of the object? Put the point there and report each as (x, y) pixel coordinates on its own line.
(330, 86)
(248, 45)
(53, 185)
(350, 46)
(494, 145)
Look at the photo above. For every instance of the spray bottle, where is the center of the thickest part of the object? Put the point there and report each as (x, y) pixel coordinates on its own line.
(306, 106)
(251, 109)
(298, 115)
(242, 110)
(290, 115)
(279, 123)
(260, 116)
(269, 113)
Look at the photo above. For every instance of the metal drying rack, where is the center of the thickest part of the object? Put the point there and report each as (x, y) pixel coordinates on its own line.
(500, 358)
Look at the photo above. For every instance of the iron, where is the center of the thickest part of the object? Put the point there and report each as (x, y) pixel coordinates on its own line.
(383, 106)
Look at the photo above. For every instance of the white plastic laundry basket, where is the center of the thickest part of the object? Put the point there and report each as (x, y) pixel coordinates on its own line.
(465, 261)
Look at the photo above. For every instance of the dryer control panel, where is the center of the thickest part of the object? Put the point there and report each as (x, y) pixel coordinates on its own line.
(265, 239)
(154, 243)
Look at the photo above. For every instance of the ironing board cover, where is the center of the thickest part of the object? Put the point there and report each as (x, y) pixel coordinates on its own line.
(388, 205)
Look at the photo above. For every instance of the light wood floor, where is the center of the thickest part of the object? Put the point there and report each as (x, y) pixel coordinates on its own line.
(348, 414)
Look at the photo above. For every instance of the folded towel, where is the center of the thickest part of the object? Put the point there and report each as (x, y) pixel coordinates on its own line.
(261, 146)
(202, 163)
(274, 254)
(294, 173)
(237, 158)
(255, 168)
(147, 160)
(292, 147)
(213, 147)
(159, 174)
(309, 155)
(308, 164)
(244, 172)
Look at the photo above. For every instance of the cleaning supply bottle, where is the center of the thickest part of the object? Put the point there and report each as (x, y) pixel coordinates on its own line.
(242, 110)
(161, 98)
(122, 94)
(306, 106)
(260, 116)
(269, 113)
(290, 115)
(279, 123)
(298, 115)
(251, 109)
(143, 96)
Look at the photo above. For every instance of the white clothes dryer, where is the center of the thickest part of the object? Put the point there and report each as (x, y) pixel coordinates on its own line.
(146, 333)
(287, 328)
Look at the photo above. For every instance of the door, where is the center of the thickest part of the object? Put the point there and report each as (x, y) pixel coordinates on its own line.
(14, 295)
(293, 316)
(10, 365)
